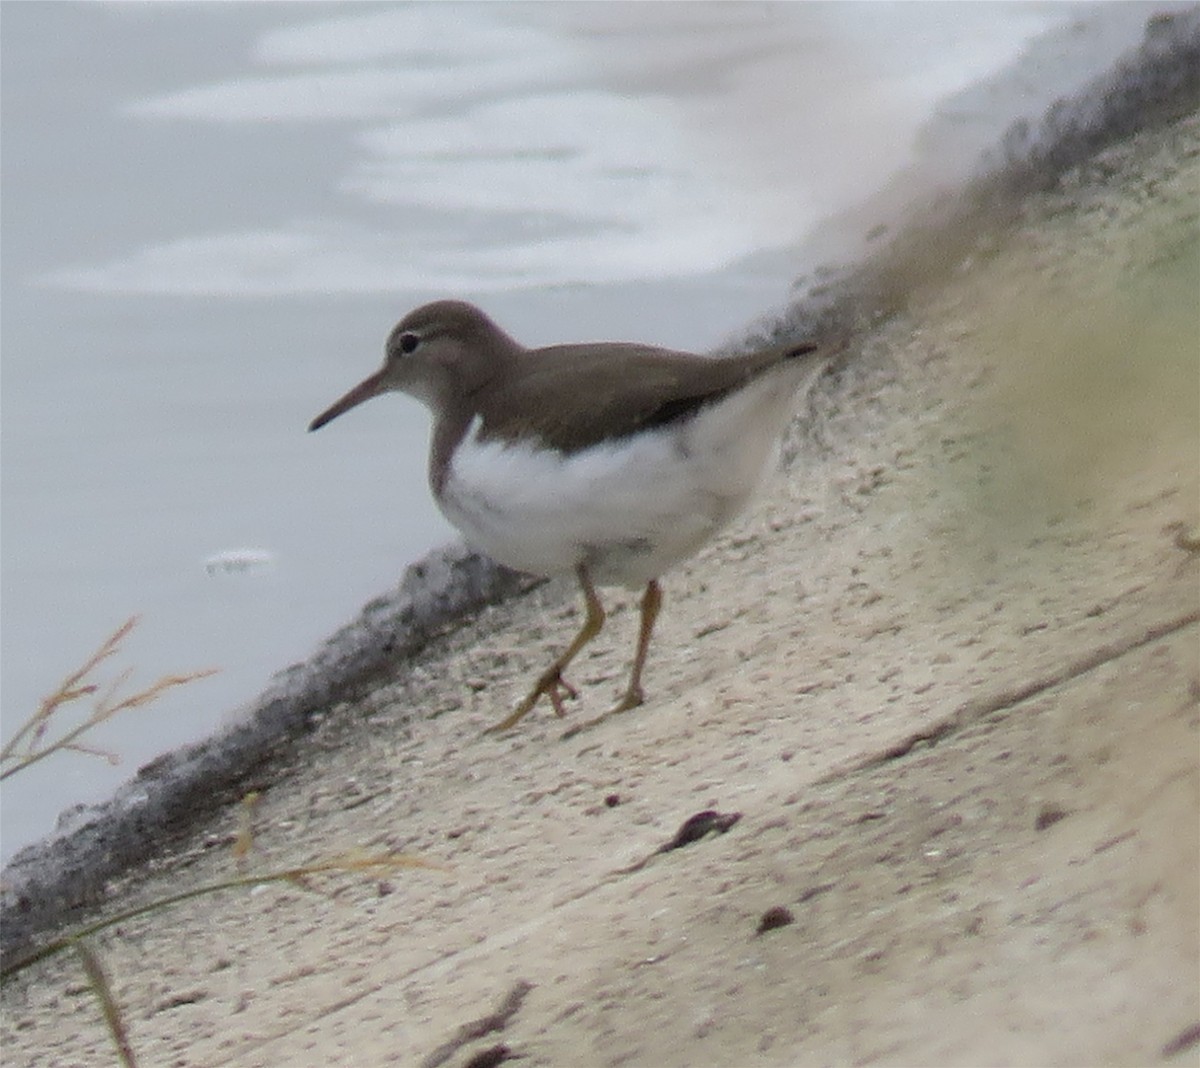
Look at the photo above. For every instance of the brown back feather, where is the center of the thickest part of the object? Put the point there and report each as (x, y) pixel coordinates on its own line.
(576, 396)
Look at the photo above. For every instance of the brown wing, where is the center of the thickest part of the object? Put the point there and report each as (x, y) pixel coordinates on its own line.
(575, 396)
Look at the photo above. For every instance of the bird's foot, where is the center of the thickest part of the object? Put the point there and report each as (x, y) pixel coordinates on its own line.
(556, 691)
(633, 699)
(551, 685)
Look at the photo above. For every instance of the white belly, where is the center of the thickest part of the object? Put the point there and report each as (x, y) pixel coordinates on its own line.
(627, 509)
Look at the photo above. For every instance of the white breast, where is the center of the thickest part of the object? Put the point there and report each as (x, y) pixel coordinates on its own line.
(629, 509)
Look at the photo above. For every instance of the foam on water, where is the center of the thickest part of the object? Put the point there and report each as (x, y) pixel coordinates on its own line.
(603, 146)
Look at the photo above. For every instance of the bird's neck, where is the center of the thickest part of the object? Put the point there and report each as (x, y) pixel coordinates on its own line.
(450, 426)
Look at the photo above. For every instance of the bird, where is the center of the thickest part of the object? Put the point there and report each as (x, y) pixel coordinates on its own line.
(611, 461)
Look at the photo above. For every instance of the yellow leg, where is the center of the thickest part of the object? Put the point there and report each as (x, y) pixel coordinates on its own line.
(651, 603)
(551, 683)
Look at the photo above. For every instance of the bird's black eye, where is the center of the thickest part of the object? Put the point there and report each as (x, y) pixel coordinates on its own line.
(408, 342)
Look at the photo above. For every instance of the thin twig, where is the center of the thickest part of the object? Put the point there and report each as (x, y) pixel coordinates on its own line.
(485, 1025)
(350, 862)
(29, 745)
(70, 690)
(101, 987)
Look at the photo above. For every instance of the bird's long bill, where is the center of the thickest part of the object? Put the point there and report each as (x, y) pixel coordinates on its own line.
(365, 390)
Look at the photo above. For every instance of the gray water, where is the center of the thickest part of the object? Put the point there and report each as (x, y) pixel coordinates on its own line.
(213, 213)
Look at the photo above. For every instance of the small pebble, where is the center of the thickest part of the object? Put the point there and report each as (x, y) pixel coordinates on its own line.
(696, 827)
(489, 1058)
(1048, 816)
(778, 916)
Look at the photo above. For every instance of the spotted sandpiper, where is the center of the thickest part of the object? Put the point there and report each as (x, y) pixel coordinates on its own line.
(613, 461)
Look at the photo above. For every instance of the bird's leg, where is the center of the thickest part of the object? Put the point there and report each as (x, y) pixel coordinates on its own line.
(551, 683)
(651, 603)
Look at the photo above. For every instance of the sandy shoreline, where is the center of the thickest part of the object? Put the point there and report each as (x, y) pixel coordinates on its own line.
(946, 673)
